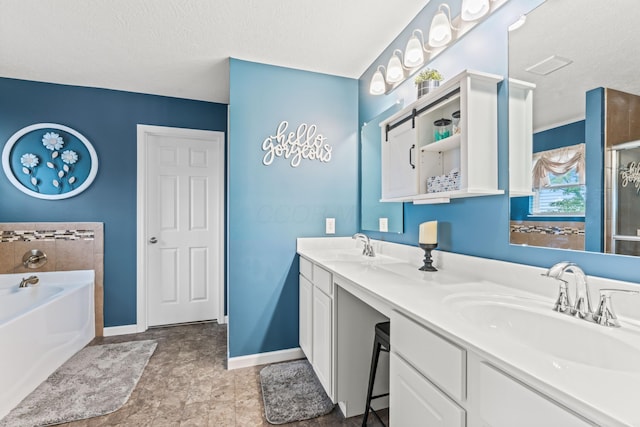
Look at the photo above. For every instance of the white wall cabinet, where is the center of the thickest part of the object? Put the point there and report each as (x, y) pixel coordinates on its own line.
(520, 137)
(399, 156)
(411, 154)
(316, 335)
(437, 382)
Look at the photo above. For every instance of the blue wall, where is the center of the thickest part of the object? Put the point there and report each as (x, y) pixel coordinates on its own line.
(108, 119)
(270, 206)
(479, 226)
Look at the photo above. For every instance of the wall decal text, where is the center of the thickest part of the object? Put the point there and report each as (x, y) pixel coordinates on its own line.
(304, 143)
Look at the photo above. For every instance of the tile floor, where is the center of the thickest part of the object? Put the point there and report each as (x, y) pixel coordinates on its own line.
(186, 383)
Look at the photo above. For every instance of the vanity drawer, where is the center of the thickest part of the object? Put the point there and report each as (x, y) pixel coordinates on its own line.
(414, 401)
(306, 268)
(322, 280)
(439, 360)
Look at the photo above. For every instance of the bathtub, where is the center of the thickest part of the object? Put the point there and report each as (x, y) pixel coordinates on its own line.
(41, 327)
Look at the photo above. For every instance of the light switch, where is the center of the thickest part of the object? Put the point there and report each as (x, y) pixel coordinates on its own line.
(330, 226)
(383, 224)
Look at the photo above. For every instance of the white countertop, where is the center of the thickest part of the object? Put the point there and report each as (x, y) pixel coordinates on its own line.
(606, 396)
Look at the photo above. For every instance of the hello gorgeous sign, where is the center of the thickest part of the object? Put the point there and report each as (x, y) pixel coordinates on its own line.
(304, 143)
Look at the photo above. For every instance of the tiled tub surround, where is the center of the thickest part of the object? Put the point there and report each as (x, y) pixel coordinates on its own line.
(68, 246)
(393, 285)
(548, 234)
(40, 328)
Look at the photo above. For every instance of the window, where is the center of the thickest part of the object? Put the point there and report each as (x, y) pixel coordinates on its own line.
(558, 181)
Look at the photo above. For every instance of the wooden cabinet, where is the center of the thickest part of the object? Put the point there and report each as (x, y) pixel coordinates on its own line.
(316, 321)
(466, 160)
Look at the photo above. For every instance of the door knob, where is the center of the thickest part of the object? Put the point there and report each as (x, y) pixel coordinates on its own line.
(153, 240)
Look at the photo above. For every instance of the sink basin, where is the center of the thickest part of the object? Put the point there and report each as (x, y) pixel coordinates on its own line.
(535, 325)
(9, 290)
(355, 256)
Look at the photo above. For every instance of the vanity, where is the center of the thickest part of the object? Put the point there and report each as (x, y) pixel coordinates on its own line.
(476, 343)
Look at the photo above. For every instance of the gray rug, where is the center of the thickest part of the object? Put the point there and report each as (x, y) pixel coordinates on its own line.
(96, 381)
(292, 392)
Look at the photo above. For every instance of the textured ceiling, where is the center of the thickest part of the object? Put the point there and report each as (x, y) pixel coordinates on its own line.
(181, 47)
(601, 38)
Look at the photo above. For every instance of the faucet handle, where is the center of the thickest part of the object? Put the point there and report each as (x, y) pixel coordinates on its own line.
(562, 304)
(604, 314)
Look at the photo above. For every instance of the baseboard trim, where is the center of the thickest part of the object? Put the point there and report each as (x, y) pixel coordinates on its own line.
(120, 330)
(264, 358)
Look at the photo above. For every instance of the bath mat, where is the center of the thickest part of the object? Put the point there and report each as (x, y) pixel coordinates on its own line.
(292, 392)
(96, 381)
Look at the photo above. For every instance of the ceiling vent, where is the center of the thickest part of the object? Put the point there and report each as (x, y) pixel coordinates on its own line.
(549, 65)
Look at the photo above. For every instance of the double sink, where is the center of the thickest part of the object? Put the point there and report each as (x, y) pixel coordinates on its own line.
(529, 321)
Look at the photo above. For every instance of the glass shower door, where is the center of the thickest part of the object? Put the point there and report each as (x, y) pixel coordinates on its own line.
(625, 199)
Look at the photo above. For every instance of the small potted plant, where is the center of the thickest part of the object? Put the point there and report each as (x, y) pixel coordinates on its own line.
(427, 80)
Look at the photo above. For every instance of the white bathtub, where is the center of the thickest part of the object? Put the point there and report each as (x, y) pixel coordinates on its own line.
(41, 327)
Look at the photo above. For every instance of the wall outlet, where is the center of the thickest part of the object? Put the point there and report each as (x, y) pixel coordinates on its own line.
(383, 224)
(330, 226)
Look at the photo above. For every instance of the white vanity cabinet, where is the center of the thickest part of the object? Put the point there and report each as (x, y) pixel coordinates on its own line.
(411, 155)
(437, 382)
(316, 321)
(427, 377)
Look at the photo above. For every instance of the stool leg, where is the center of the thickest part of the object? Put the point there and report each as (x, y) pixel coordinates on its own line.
(372, 376)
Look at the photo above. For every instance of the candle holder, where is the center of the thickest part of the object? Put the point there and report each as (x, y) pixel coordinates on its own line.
(428, 261)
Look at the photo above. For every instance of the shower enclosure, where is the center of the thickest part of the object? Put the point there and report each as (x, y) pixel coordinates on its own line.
(622, 221)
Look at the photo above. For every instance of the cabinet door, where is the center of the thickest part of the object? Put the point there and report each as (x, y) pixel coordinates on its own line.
(399, 157)
(504, 402)
(306, 317)
(322, 348)
(414, 401)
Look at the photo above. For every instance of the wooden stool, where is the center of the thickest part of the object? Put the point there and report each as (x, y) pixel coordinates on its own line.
(382, 342)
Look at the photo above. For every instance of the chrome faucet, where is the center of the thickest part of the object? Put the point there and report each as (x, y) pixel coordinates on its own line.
(602, 315)
(368, 248)
(582, 306)
(31, 280)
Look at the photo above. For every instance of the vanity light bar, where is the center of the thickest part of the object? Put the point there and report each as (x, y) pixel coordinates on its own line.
(443, 32)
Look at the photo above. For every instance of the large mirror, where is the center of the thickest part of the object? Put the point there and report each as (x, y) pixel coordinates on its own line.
(374, 215)
(574, 126)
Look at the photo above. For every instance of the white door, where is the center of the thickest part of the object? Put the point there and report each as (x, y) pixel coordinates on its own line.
(183, 225)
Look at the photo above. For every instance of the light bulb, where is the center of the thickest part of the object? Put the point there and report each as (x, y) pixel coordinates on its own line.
(377, 86)
(474, 9)
(395, 73)
(440, 31)
(413, 54)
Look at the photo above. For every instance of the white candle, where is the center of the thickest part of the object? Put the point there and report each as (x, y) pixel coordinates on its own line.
(429, 233)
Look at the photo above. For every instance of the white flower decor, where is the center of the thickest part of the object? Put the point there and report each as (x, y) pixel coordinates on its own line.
(42, 160)
(69, 157)
(52, 141)
(29, 160)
